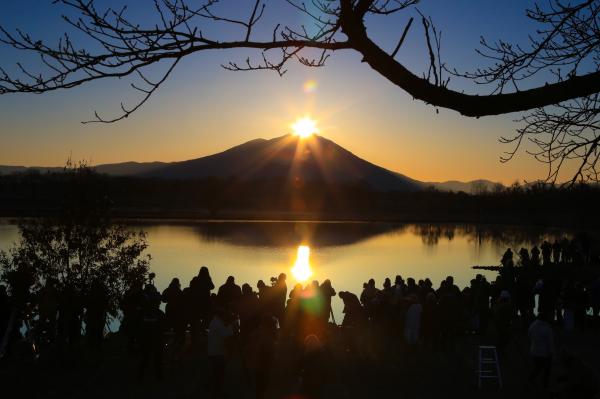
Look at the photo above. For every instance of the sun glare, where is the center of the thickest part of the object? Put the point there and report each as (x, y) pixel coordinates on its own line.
(304, 127)
(301, 269)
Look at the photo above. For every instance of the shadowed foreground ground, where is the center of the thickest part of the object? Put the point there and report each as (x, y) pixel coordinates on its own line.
(424, 373)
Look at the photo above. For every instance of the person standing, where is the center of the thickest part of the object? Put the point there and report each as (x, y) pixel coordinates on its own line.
(412, 321)
(541, 349)
(503, 317)
(218, 332)
(151, 337)
(229, 295)
(280, 297)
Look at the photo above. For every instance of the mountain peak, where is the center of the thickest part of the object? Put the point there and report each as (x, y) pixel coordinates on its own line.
(314, 158)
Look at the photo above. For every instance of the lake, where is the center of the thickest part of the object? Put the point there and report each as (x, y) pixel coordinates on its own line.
(346, 253)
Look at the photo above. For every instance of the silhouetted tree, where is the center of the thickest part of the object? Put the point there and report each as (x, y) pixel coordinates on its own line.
(80, 249)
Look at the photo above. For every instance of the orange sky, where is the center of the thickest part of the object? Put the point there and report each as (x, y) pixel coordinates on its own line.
(379, 124)
(203, 109)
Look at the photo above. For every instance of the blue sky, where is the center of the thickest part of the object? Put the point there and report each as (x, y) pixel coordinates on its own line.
(203, 109)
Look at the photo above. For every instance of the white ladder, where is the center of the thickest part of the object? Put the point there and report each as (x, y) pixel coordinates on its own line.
(489, 366)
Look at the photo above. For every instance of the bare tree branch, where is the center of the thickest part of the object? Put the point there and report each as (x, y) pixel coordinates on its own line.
(565, 135)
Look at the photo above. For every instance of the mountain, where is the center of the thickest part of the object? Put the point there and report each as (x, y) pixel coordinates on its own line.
(312, 159)
(301, 160)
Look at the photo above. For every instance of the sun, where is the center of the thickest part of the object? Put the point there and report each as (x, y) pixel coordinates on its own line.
(304, 127)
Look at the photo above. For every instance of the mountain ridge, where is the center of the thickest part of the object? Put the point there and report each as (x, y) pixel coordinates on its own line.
(300, 160)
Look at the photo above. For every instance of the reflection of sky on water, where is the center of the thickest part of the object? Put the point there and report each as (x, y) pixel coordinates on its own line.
(346, 253)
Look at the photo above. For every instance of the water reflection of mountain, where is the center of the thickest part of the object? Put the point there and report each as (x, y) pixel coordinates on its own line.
(326, 234)
(286, 234)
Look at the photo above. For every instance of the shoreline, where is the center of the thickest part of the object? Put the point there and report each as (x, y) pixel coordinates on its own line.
(568, 222)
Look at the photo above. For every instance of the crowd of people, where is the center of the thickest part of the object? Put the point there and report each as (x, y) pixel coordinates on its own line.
(404, 316)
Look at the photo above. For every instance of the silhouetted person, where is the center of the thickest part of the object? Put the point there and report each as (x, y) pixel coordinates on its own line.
(429, 326)
(133, 307)
(368, 295)
(525, 299)
(449, 312)
(249, 311)
(503, 316)
(202, 295)
(296, 292)
(327, 293)
(546, 252)
(265, 299)
(569, 299)
(425, 288)
(411, 287)
(556, 249)
(541, 337)
(524, 259)
(388, 290)
(565, 250)
(219, 331)
(312, 312)
(535, 256)
(548, 292)
(581, 305)
(192, 311)
(507, 259)
(481, 303)
(313, 367)
(175, 310)
(412, 321)
(293, 313)
(355, 321)
(280, 297)
(229, 294)
(260, 349)
(151, 337)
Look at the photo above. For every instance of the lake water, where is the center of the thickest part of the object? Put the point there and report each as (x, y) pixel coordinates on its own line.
(346, 253)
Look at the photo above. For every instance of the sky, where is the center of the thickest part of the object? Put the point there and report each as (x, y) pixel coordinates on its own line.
(203, 109)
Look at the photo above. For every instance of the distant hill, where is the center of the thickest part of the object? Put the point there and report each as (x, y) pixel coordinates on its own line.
(115, 169)
(300, 160)
(129, 168)
(8, 170)
(472, 187)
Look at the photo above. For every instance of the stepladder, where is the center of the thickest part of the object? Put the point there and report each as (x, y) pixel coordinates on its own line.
(489, 365)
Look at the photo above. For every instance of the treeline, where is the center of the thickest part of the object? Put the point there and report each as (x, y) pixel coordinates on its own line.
(34, 194)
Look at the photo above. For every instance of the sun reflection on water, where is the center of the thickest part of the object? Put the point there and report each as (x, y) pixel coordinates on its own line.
(301, 270)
